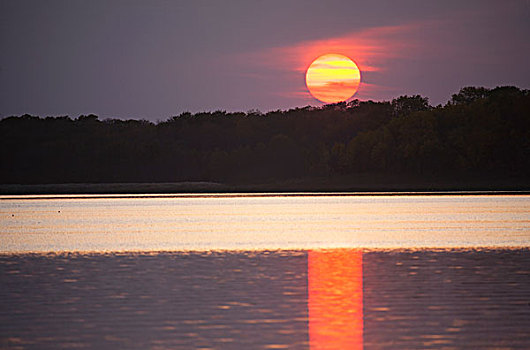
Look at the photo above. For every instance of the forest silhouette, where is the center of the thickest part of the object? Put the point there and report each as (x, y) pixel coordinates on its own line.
(479, 131)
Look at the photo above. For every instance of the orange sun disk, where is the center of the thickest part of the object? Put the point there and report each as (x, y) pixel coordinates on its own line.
(333, 78)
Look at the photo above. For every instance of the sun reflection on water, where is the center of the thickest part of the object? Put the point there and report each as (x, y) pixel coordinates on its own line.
(335, 299)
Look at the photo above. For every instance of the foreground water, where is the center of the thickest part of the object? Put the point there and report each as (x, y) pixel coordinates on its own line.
(412, 272)
(331, 299)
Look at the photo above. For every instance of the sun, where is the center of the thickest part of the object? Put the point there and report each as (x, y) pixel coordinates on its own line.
(333, 78)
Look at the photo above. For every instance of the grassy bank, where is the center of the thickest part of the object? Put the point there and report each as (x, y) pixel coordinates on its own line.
(351, 183)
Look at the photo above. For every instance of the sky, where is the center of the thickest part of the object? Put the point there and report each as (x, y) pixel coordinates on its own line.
(156, 59)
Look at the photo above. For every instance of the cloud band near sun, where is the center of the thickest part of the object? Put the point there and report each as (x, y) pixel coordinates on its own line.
(372, 50)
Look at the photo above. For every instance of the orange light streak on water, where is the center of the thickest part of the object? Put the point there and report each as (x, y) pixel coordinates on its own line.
(335, 300)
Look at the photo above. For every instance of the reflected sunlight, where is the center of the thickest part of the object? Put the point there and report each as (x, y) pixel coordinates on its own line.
(335, 299)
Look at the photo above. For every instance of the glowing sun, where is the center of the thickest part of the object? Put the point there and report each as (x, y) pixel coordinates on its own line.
(333, 78)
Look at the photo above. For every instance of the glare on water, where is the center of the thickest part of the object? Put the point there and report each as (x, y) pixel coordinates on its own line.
(240, 222)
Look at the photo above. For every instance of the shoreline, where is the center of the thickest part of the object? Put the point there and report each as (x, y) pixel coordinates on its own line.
(4, 197)
(360, 184)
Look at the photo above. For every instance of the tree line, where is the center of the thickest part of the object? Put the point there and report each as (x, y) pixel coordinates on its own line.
(478, 130)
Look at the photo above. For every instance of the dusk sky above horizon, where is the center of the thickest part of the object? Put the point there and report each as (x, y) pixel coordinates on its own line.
(156, 59)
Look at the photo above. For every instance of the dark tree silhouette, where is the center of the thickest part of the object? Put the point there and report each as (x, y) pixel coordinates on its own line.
(479, 131)
(469, 94)
(405, 105)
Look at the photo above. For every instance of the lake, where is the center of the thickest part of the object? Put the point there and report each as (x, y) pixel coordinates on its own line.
(272, 271)
(254, 222)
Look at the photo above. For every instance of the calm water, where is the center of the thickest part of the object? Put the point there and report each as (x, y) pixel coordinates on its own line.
(392, 272)
(253, 223)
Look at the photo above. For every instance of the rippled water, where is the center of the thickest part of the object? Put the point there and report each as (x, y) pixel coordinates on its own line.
(333, 299)
(106, 273)
(247, 222)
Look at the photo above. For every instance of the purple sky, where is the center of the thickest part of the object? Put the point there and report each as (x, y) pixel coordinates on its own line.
(155, 59)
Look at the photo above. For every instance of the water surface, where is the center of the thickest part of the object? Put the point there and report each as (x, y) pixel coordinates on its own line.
(265, 272)
(249, 222)
(332, 299)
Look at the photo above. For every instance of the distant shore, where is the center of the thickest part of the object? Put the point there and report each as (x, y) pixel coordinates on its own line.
(369, 183)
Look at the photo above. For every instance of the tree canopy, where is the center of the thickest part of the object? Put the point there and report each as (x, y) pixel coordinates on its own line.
(478, 130)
